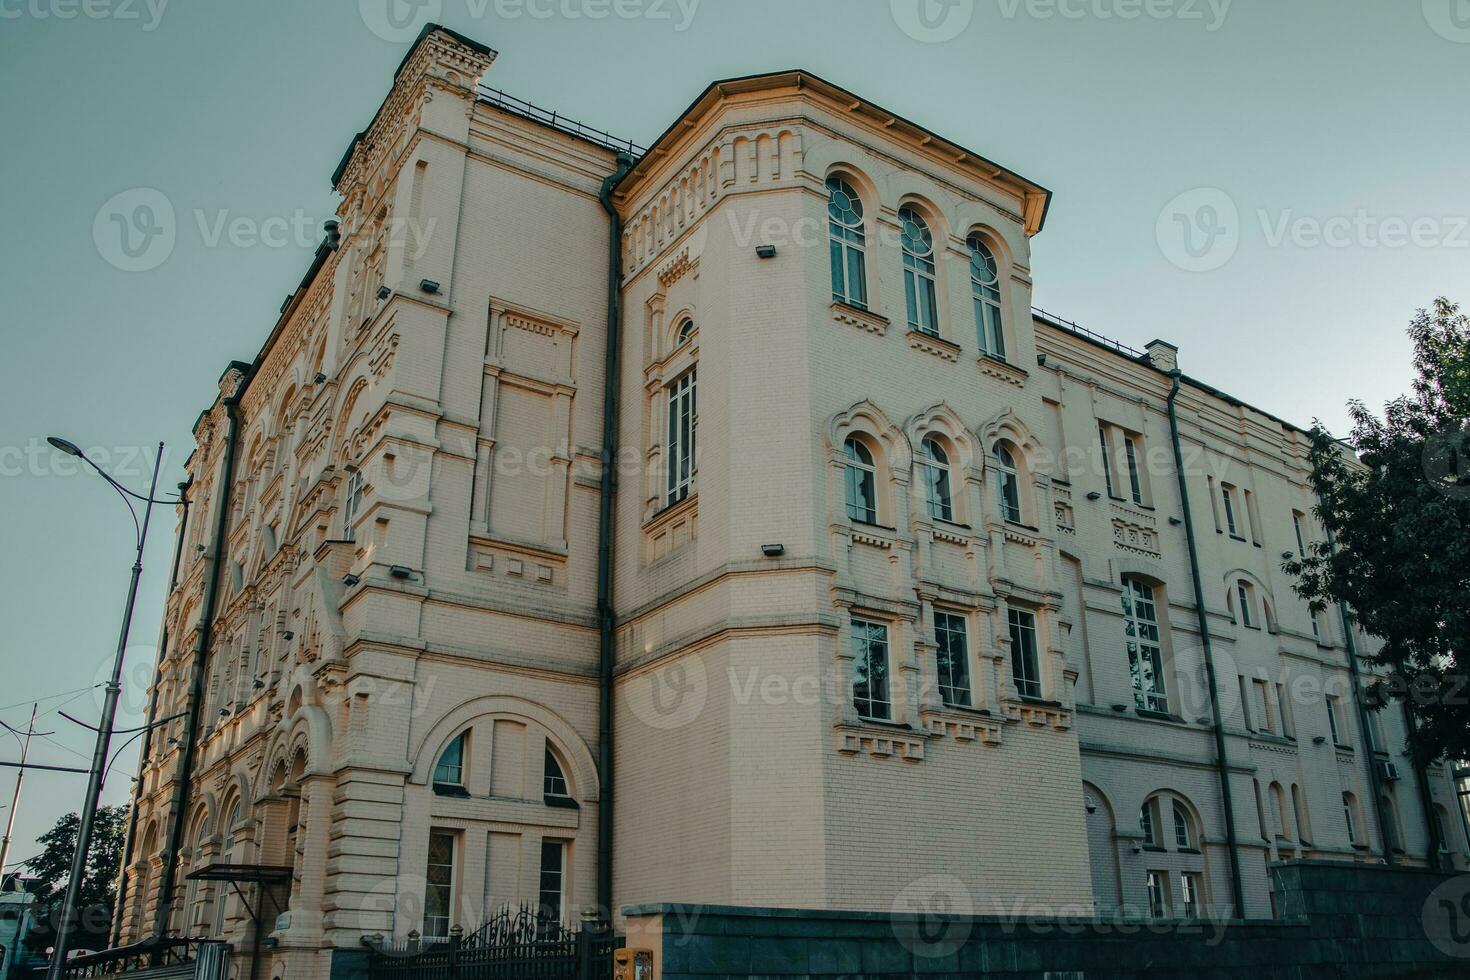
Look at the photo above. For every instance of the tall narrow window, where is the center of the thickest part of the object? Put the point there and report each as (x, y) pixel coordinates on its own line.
(439, 885)
(1009, 485)
(847, 243)
(953, 658)
(553, 780)
(985, 291)
(683, 426)
(551, 895)
(1350, 817)
(1183, 835)
(1145, 656)
(1227, 497)
(352, 503)
(1247, 614)
(226, 857)
(870, 670)
(1025, 666)
(1158, 894)
(1135, 483)
(1146, 824)
(862, 483)
(918, 272)
(1107, 459)
(450, 769)
(1190, 883)
(935, 463)
(1296, 522)
(1333, 725)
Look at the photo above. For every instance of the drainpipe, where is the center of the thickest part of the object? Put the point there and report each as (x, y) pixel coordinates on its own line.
(1204, 633)
(196, 681)
(127, 855)
(607, 493)
(1371, 747)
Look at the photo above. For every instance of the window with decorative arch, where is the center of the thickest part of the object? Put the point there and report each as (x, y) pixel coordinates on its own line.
(449, 770)
(920, 271)
(847, 243)
(985, 295)
(681, 435)
(226, 856)
(934, 467)
(862, 481)
(1008, 483)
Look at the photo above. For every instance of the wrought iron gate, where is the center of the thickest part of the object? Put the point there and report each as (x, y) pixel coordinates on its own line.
(511, 946)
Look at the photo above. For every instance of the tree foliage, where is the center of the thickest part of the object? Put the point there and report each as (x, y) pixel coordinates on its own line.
(52, 867)
(1399, 517)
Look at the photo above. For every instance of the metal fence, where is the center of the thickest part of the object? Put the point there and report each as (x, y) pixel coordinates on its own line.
(511, 946)
(202, 959)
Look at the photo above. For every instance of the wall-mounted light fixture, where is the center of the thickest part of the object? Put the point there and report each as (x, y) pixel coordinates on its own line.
(428, 285)
(765, 251)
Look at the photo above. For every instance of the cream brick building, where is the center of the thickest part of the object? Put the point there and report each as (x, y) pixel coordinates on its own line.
(898, 586)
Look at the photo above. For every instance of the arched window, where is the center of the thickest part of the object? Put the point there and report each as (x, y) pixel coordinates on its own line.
(1391, 822)
(847, 243)
(920, 293)
(554, 781)
(1009, 484)
(226, 856)
(449, 771)
(686, 333)
(935, 466)
(1145, 655)
(1183, 828)
(985, 291)
(862, 482)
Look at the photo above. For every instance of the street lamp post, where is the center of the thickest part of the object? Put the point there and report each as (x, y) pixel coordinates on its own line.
(109, 706)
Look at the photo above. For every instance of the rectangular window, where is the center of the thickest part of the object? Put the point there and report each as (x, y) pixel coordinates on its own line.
(1262, 704)
(1333, 725)
(1297, 517)
(1245, 704)
(1190, 888)
(683, 426)
(1243, 592)
(849, 265)
(1135, 483)
(953, 658)
(1107, 459)
(1025, 666)
(1227, 497)
(870, 670)
(1158, 894)
(1145, 655)
(551, 894)
(352, 503)
(439, 885)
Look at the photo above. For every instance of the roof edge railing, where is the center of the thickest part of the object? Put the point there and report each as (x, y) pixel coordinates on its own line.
(1081, 331)
(549, 117)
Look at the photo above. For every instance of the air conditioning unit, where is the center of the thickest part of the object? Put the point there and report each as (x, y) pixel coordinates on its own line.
(1388, 772)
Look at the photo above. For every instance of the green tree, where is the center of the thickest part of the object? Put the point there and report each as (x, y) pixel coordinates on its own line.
(1399, 515)
(52, 867)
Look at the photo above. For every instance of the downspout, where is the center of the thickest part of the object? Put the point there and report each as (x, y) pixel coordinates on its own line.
(122, 885)
(201, 651)
(607, 492)
(1204, 634)
(1369, 745)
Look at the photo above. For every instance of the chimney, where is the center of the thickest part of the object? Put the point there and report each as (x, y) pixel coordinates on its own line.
(1163, 355)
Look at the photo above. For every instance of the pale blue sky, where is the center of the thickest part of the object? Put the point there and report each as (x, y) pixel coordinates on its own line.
(1312, 109)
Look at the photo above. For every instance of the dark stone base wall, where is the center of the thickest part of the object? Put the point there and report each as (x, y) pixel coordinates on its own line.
(1339, 921)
